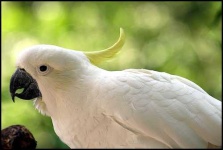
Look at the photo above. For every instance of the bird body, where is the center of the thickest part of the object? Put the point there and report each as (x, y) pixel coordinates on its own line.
(135, 108)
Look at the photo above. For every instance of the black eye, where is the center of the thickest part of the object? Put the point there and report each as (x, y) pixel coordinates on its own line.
(43, 68)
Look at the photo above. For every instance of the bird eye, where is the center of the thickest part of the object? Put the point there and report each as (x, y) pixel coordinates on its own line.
(43, 69)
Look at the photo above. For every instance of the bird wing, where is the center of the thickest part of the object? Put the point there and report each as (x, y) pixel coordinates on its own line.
(168, 108)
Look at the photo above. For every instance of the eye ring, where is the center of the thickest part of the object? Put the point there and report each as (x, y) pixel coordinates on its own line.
(43, 69)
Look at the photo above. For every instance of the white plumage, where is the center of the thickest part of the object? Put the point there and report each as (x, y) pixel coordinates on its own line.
(134, 108)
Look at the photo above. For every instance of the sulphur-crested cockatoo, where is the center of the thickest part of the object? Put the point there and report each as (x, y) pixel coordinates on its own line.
(135, 108)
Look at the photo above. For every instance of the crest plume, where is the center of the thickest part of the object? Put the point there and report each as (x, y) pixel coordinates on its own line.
(97, 57)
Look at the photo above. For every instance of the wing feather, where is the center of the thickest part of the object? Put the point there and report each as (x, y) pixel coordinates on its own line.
(168, 108)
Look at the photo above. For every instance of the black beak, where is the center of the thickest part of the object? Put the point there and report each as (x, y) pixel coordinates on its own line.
(21, 79)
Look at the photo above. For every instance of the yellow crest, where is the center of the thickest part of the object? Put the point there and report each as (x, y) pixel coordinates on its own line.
(97, 57)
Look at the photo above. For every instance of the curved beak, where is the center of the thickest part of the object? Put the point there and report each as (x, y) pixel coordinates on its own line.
(23, 80)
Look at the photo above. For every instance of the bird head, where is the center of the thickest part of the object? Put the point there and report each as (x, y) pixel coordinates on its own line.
(42, 69)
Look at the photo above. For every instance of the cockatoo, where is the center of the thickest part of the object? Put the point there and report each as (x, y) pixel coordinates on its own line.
(134, 108)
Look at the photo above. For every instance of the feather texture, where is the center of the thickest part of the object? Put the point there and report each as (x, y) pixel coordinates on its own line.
(169, 108)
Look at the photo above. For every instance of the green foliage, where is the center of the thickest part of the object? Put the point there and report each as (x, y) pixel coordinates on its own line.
(181, 38)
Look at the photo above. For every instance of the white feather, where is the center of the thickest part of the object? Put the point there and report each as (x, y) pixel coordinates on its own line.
(92, 107)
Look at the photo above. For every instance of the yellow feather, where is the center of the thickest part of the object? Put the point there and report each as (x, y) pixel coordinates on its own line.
(97, 57)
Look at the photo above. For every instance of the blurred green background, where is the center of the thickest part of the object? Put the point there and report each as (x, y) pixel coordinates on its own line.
(181, 38)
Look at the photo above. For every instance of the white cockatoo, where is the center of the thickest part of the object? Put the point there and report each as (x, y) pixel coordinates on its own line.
(134, 108)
